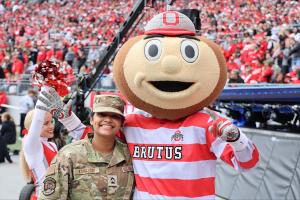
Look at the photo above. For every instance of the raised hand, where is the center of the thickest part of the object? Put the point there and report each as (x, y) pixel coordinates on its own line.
(223, 128)
(50, 101)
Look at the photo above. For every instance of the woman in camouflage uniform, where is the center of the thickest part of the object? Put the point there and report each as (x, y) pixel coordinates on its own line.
(98, 167)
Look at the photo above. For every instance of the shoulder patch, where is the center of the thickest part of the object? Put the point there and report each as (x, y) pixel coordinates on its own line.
(49, 186)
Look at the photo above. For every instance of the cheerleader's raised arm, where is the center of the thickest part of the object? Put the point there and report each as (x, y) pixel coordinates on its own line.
(63, 112)
(38, 151)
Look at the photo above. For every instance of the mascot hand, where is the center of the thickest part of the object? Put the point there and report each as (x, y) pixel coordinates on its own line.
(223, 128)
(50, 101)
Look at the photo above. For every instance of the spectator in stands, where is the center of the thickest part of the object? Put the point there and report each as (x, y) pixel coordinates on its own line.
(27, 103)
(3, 100)
(262, 23)
(287, 78)
(295, 54)
(272, 42)
(70, 56)
(30, 68)
(94, 54)
(85, 69)
(17, 68)
(277, 76)
(7, 136)
(41, 56)
(7, 66)
(2, 74)
(8, 129)
(235, 77)
(285, 51)
(297, 79)
(4, 154)
(266, 72)
(249, 76)
(81, 59)
(33, 53)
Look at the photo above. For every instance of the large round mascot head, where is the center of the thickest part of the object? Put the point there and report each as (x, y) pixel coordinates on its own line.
(169, 72)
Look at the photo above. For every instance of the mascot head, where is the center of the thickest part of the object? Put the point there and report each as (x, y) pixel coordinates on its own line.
(169, 72)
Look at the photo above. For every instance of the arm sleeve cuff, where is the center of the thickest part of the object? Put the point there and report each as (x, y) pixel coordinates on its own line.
(71, 122)
(241, 143)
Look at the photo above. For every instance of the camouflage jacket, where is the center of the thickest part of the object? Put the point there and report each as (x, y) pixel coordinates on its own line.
(80, 172)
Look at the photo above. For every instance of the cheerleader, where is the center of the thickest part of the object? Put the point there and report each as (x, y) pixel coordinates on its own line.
(38, 151)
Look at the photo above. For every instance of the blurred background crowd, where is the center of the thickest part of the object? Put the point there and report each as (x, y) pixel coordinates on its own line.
(260, 38)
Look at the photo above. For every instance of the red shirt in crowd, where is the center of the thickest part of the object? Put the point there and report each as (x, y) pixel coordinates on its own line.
(59, 55)
(17, 67)
(2, 56)
(3, 98)
(266, 74)
(49, 54)
(41, 56)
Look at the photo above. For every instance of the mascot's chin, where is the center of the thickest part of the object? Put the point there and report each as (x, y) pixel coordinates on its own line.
(170, 74)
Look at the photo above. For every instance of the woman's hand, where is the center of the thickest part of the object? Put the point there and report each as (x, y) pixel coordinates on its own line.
(51, 102)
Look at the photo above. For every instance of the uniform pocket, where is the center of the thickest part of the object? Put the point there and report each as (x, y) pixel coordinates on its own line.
(120, 181)
(85, 183)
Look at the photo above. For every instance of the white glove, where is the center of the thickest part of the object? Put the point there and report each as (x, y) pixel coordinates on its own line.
(223, 128)
(50, 101)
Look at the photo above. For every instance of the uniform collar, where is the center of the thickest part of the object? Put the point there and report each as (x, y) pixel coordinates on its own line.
(96, 157)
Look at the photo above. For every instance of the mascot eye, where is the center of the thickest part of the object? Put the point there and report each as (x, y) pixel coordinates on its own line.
(189, 50)
(153, 50)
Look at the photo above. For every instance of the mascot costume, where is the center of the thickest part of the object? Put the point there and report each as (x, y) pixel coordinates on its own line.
(172, 76)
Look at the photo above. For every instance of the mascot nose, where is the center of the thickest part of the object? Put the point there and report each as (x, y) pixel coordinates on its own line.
(171, 64)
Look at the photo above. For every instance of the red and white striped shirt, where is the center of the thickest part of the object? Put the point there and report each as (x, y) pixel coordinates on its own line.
(177, 159)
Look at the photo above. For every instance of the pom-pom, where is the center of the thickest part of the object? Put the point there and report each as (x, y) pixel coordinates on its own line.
(50, 73)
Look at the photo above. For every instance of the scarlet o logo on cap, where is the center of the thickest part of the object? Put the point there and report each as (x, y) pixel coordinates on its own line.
(170, 18)
(170, 23)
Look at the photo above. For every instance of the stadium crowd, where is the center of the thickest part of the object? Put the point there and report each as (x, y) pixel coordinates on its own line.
(260, 38)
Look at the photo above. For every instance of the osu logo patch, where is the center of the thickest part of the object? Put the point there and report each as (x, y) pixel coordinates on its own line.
(49, 186)
(177, 136)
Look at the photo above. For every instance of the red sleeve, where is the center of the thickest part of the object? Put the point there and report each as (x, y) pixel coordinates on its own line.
(87, 130)
(121, 136)
(228, 154)
(252, 162)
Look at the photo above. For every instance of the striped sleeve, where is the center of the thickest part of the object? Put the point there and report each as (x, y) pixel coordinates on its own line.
(241, 155)
(77, 130)
(246, 153)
